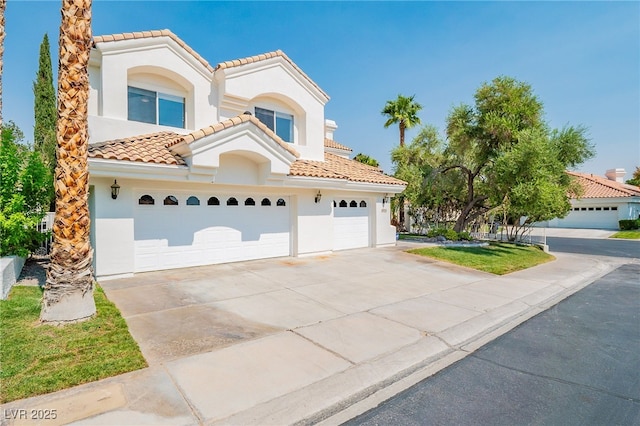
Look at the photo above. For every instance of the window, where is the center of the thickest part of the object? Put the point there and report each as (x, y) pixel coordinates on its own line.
(213, 201)
(598, 208)
(280, 202)
(363, 203)
(170, 201)
(249, 202)
(265, 202)
(154, 107)
(193, 201)
(334, 203)
(606, 208)
(279, 122)
(614, 208)
(343, 203)
(353, 203)
(146, 200)
(232, 202)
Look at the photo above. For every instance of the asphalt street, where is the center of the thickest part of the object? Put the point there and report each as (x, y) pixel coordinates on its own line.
(574, 364)
(597, 247)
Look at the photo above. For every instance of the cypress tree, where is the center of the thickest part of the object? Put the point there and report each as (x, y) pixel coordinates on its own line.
(45, 107)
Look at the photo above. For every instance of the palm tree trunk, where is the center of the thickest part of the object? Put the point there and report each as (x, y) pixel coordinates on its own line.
(68, 292)
(3, 6)
(401, 126)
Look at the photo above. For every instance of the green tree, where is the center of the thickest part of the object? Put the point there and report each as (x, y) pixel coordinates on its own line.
(499, 156)
(365, 159)
(404, 112)
(636, 178)
(45, 107)
(25, 191)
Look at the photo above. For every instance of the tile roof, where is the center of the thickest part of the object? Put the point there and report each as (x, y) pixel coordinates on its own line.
(151, 148)
(336, 167)
(150, 34)
(234, 121)
(601, 187)
(265, 56)
(330, 143)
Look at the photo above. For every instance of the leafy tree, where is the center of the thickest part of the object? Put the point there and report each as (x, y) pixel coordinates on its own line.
(499, 157)
(365, 159)
(404, 112)
(45, 107)
(68, 291)
(25, 191)
(636, 178)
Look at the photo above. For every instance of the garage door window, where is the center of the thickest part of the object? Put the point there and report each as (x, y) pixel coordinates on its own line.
(232, 202)
(363, 203)
(281, 202)
(353, 203)
(265, 202)
(146, 200)
(213, 201)
(170, 201)
(193, 201)
(249, 202)
(343, 203)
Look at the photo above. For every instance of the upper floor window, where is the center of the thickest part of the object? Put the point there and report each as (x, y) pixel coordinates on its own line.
(279, 122)
(152, 107)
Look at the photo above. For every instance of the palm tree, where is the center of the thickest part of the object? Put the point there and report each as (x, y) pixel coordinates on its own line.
(3, 6)
(403, 111)
(68, 291)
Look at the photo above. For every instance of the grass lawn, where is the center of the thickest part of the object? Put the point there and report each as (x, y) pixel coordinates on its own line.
(627, 235)
(497, 258)
(37, 359)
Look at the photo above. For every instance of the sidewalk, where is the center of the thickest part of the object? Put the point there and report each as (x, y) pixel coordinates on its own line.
(330, 336)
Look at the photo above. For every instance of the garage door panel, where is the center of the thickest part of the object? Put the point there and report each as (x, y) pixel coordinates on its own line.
(178, 236)
(350, 228)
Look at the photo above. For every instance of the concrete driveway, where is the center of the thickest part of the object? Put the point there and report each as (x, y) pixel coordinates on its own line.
(173, 314)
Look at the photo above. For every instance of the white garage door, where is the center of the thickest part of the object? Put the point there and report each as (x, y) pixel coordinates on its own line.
(350, 224)
(204, 230)
(591, 218)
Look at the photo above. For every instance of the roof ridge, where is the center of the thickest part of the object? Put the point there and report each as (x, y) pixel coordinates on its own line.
(151, 34)
(330, 143)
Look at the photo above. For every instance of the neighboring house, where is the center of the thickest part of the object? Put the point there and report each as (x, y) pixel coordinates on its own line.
(218, 164)
(605, 201)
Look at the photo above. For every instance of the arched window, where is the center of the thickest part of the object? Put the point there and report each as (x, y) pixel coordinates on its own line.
(343, 203)
(363, 203)
(170, 201)
(146, 200)
(353, 203)
(193, 201)
(213, 201)
(232, 202)
(249, 202)
(334, 203)
(281, 202)
(265, 202)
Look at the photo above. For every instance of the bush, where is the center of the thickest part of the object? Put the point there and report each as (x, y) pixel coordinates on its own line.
(629, 224)
(464, 235)
(25, 193)
(449, 234)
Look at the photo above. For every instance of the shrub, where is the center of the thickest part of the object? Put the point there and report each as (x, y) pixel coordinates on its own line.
(25, 193)
(464, 235)
(629, 224)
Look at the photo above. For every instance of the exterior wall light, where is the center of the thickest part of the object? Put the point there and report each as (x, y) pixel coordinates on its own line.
(115, 189)
(385, 199)
(318, 197)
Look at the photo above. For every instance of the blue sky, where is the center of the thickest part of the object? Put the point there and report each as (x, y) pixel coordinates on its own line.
(581, 58)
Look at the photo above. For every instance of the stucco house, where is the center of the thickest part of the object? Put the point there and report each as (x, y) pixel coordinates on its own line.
(604, 201)
(193, 164)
